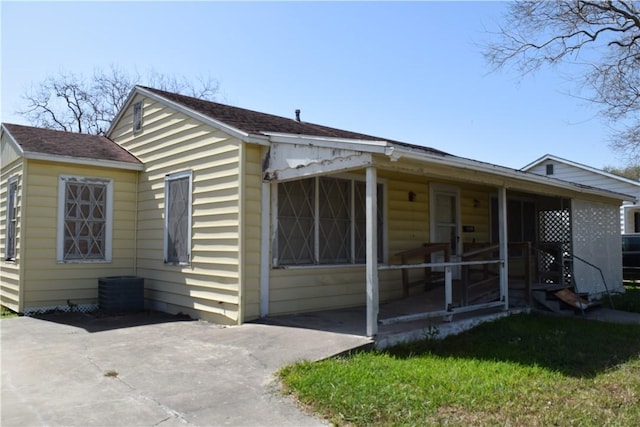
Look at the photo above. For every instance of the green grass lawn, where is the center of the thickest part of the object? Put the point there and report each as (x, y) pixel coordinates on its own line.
(630, 300)
(5, 312)
(520, 370)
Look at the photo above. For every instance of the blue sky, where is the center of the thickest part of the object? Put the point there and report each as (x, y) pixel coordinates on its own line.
(411, 72)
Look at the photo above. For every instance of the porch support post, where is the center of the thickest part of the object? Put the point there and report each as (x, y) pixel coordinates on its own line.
(504, 246)
(372, 251)
(448, 288)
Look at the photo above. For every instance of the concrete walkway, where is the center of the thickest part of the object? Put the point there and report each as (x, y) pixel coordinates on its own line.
(153, 370)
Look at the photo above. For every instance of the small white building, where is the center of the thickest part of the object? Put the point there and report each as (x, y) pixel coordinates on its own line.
(559, 168)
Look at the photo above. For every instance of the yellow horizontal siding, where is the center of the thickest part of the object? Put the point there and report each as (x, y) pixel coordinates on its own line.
(10, 271)
(251, 232)
(48, 283)
(475, 214)
(172, 142)
(407, 222)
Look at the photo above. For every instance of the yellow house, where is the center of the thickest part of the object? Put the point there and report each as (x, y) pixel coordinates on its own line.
(52, 252)
(230, 215)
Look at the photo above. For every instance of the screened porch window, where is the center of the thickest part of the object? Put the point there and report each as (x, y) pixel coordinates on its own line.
(12, 216)
(323, 221)
(177, 237)
(84, 227)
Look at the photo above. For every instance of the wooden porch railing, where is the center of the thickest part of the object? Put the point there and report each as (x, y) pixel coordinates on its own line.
(480, 280)
(423, 253)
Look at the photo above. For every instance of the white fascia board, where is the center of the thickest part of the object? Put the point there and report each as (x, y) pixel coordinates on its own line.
(345, 164)
(475, 165)
(380, 147)
(17, 146)
(580, 166)
(84, 161)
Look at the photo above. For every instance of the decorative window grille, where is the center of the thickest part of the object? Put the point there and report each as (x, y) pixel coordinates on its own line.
(177, 239)
(296, 219)
(137, 117)
(12, 216)
(84, 232)
(335, 221)
(323, 221)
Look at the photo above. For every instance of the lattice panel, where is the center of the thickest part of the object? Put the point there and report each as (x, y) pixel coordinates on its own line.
(554, 240)
(596, 238)
(81, 308)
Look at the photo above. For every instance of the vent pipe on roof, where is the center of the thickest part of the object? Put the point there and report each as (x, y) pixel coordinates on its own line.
(297, 115)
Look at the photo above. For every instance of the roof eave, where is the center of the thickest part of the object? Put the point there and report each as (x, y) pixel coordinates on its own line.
(370, 146)
(114, 164)
(509, 173)
(13, 141)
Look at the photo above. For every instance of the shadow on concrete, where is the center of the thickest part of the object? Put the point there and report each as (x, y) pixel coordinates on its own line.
(99, 321)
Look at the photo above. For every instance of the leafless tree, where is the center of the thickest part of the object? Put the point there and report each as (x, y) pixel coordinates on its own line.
(600, 42)
(631, 172)
(72, 102)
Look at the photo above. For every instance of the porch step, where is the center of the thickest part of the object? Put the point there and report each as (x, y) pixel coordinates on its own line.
(544, 295)
(560, 298)
(552, 305)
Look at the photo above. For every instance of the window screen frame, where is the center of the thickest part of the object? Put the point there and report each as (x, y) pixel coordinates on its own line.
(186, 257)
(11, 230)
(354, 258)
(63, 182)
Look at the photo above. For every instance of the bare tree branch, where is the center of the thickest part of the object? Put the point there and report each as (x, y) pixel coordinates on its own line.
(71, 102)
(601, 37)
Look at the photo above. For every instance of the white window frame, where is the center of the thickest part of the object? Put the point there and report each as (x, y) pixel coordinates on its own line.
(11, 250)
(137, 117)
(62, 198)
(382, 242)
(167, 179)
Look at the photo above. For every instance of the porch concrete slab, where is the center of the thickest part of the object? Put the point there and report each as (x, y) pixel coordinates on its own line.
(352, 321)
(73, 369)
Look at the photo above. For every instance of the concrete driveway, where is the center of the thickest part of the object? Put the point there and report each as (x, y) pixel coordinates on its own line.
(153, 370)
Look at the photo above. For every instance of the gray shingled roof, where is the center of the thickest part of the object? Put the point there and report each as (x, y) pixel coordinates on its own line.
(253, 122)
(61, 143)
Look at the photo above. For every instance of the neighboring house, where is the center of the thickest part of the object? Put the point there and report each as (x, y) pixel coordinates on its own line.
(567, 170)
(230, 214)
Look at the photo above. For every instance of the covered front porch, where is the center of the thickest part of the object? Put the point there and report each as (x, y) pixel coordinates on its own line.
(352, 320)
(372, 219)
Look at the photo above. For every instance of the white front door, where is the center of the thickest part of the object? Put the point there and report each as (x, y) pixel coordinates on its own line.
(445, 220)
